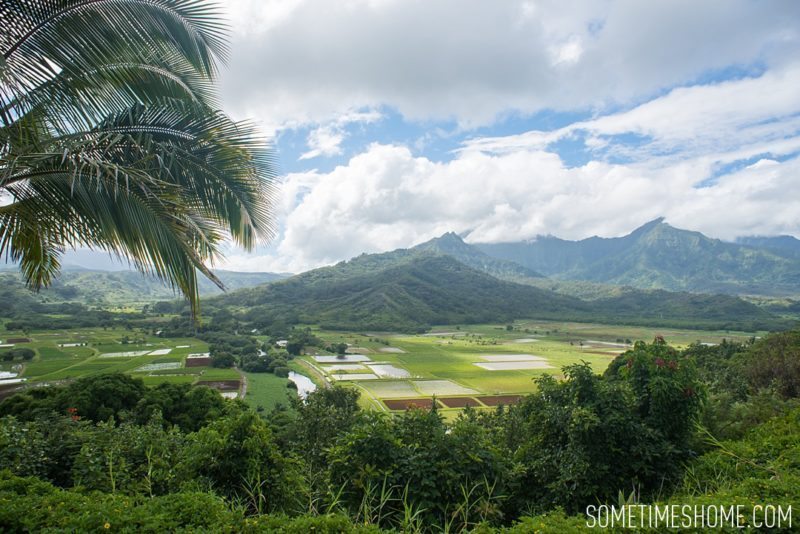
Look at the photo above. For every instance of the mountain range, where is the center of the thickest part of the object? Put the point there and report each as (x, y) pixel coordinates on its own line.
(122, 288)
(657, 274)
(659, 256)
(446, 281)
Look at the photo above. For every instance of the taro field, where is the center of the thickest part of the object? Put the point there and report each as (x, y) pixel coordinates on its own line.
(481, 366)
(68, 354)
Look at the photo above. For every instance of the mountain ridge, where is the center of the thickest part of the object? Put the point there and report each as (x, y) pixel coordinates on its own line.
(658, 256)
(411, 290)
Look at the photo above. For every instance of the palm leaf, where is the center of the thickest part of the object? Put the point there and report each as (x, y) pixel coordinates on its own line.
(109, 139)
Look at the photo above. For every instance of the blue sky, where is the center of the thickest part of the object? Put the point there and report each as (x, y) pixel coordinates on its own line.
(395, 121)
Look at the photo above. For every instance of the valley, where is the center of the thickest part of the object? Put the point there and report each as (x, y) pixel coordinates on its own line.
(481, 366)
(399, 267)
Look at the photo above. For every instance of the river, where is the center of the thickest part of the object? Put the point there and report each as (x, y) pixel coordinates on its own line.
(303, 383)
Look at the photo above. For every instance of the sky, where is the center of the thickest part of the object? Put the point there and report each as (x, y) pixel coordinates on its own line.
(395, 121)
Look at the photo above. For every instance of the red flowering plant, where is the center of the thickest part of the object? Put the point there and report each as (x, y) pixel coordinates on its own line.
(666, 385)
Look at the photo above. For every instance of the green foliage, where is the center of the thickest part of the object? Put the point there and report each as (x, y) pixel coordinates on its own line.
(410, 291)
(556, 522)
(299, 339)
(129, 458)
(223, 360)
(762, 468)
(666, 388)
(326, 414)
(584, 441)
(658, 256)
(327, 466)
(19, 354)
(183, 405)
(338, 348)
(28, 504)
(238, 457)
(748, 384)
(775, 362)
(413, 464)
(121, 398)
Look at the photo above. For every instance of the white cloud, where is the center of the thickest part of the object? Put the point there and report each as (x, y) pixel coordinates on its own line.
(642, 67)
(718, 123)
(386, 198)
(568, 52)
(308, 61)
(326, 140)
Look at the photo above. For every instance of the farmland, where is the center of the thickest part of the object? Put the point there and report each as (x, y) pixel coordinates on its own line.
(68, 354)
(478, 365)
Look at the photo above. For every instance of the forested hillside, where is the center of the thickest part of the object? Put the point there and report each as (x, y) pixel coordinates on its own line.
(412, 291)
(659, 256)
(119, 288)
(452, 245)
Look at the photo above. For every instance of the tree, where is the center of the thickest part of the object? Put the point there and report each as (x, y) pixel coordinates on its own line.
(223, 359)
(109, 139)
(339, 348)
(238, 456)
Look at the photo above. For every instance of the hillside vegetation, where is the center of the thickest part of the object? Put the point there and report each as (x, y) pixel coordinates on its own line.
(412, 291)
(659, 256)
(119, 288)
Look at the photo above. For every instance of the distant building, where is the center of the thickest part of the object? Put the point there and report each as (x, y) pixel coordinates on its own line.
(282, 343)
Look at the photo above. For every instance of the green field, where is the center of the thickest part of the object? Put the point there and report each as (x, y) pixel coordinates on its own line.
(443, 362)
(103, 351)
(265, 390)
(65, 355)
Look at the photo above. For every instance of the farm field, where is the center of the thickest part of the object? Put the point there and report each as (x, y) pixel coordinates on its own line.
(479, 365)
(265, 391)
(69, 354)
(476, 365)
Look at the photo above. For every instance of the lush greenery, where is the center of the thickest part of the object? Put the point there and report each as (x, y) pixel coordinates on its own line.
(637, 429)
(658, 256)
(411, 291)
(404, 290)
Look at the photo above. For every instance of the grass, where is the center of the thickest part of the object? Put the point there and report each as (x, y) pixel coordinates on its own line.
(267, 390)
(53, 362)
(212, 373)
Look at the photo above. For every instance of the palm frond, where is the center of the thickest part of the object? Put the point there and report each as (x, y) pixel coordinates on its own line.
(109, 139)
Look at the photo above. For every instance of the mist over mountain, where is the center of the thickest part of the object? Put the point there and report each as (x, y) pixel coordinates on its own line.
(99, 287)
(659, 256)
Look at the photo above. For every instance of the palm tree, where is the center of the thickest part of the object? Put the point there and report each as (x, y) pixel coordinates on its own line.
(110, 139)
